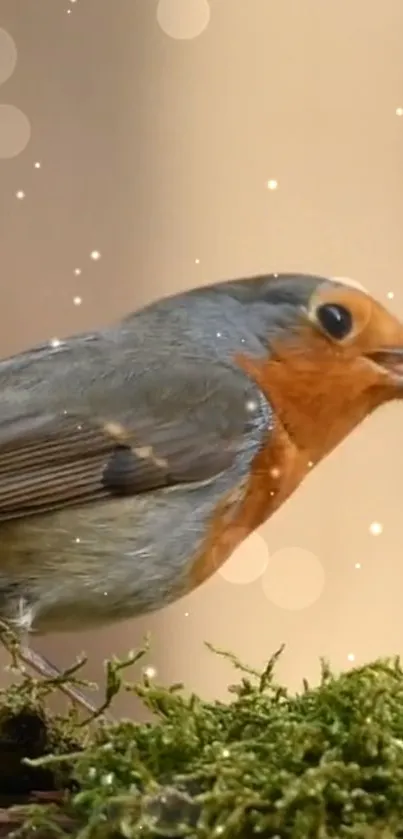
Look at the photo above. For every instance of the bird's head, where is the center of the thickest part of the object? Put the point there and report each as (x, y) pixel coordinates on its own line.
(334, 355)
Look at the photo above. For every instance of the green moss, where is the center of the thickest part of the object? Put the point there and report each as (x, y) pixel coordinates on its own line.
(325, 763)
(28, 730)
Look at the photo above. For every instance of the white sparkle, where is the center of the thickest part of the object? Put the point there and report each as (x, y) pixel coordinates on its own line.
(310, 463)
(77, 540)
(150, 672)
(351, 657)
(69, 11)
(218, 334)
(95, 255)
(186, 614)
(357, 565)
(375, 528)
(399, 112)
(77, 271)
(225, 753)
(25, 616)
(272, 184)
(20, 194)
(390, 295)
(275, 472)
(197, 261)
(37, 165)
(251, 405)
(55, 342)
(77, 301)
(105, 594)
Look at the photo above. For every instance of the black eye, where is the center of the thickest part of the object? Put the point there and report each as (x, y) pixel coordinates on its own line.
(335, 319)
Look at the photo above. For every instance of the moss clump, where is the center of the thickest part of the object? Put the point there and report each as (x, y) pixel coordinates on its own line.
(325, 763)
(29, 731)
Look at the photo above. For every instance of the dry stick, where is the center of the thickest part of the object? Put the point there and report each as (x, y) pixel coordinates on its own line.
(9, 821)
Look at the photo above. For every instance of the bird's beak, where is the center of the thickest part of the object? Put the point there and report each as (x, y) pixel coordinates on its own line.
(390, 361)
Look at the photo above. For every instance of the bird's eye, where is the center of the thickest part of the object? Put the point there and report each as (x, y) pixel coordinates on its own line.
(335, 319)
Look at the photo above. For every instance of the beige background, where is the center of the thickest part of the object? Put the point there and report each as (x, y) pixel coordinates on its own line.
(152, 135)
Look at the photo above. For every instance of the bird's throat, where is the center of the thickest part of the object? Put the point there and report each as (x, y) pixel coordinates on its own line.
(316, 411)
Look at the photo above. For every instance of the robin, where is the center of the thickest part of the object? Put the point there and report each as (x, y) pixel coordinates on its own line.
(135, 459)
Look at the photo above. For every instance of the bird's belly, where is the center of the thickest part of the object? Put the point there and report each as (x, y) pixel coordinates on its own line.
(90, 566)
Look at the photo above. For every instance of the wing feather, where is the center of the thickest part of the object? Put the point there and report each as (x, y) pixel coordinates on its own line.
(189, 430)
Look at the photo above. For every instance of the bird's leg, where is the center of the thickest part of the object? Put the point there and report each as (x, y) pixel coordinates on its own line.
(39, 663)
(48, 671)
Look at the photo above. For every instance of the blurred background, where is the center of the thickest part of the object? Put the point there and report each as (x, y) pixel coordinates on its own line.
(147, 147)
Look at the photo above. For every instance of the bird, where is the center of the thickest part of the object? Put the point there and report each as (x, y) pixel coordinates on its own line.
(134, 459)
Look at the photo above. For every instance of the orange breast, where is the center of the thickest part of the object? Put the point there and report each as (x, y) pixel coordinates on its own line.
(276, 472)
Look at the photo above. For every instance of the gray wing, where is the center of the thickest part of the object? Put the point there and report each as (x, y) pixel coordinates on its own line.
(170, 427)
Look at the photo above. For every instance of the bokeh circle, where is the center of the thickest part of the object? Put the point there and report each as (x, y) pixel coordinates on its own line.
(294, 579)
(8, 55)
(247, 563)
(15, 131)
(183, 20)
